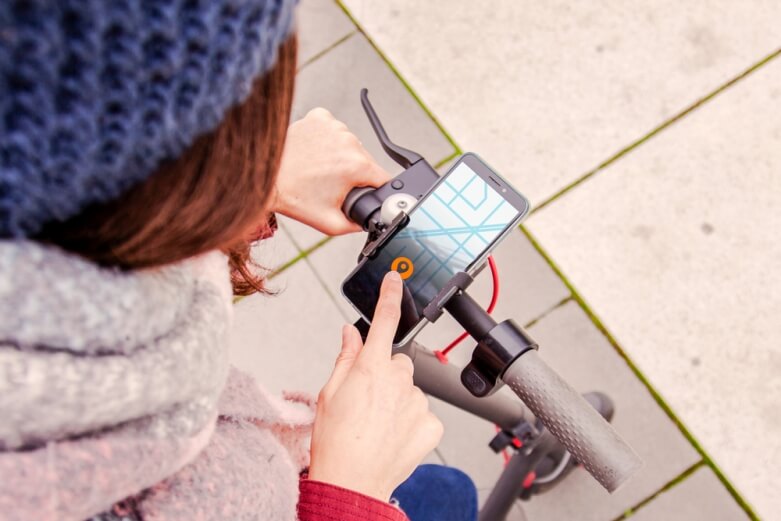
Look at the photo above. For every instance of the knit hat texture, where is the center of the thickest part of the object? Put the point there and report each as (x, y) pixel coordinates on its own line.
(95, 94)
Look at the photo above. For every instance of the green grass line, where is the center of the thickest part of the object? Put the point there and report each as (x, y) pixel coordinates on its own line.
(442, 162)
(707, 460)
(301, 255)
(547, 312)
(403, 81)
(670, 484)
(624, 151)
(320, 54)
(280, 269)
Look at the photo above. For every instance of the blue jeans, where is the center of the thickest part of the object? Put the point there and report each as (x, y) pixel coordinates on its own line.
(438, 493)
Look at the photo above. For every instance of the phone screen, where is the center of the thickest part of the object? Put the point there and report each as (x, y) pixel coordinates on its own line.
(450, 229)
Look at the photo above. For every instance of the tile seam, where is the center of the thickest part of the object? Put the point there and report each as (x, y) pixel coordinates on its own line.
(677, 480)
(703, 101)
(325, 51)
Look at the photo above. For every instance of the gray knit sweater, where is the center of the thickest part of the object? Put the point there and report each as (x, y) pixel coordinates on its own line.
(112, 383)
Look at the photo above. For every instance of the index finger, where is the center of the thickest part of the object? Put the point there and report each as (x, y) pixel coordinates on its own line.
(379, 341)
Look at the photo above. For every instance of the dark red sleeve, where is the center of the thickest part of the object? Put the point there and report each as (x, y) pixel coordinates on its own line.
(324, 502)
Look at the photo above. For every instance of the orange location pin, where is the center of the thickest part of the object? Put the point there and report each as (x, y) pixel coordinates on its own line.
(404, 266)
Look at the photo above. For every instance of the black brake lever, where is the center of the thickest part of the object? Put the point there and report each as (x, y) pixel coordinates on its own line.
(362, 205)
(403, 156)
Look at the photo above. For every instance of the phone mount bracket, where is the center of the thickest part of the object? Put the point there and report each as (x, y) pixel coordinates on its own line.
(379, 234)
(459, 282)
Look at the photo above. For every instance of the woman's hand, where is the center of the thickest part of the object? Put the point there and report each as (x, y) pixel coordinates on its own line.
(373, 426)
(322, 161)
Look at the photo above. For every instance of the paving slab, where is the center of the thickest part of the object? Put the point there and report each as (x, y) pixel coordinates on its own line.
(433, 459)
(700, 496)
(334, 81)
(573, 346)
(516, 514)
(304, 237)
(676, 248)
(321, 23)
(288, 341)
(546, 91)
(464, 444)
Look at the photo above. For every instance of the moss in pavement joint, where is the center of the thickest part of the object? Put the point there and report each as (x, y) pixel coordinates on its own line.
(301, 255)
(401, 79)
(675, 481)
(544, 314)
(325, 51)
(452, 156)
(654, 393)
(624, 151)
(286, 265)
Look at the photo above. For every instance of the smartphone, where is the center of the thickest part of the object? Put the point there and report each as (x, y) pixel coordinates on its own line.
(452, 228)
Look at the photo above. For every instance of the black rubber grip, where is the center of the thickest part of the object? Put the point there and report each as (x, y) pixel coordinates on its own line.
(590, 439)
(357, 214)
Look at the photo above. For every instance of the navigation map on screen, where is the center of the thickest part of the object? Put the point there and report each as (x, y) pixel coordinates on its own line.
(446, 233)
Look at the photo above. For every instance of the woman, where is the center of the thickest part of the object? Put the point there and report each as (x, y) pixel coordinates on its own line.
(141, 151)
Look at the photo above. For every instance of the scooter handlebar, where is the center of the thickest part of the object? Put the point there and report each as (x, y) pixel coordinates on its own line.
(350, 202)
(590, 439)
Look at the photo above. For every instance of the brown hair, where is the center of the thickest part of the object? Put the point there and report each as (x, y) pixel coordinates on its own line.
(212, 197)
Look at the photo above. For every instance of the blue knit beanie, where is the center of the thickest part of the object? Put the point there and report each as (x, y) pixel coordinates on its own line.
(94, 94)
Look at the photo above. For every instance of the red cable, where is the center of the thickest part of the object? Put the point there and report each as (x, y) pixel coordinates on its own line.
(442, 355)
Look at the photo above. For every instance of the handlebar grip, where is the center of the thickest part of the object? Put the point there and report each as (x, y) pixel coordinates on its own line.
(360, 204)
(352, 197)
(590, 439)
